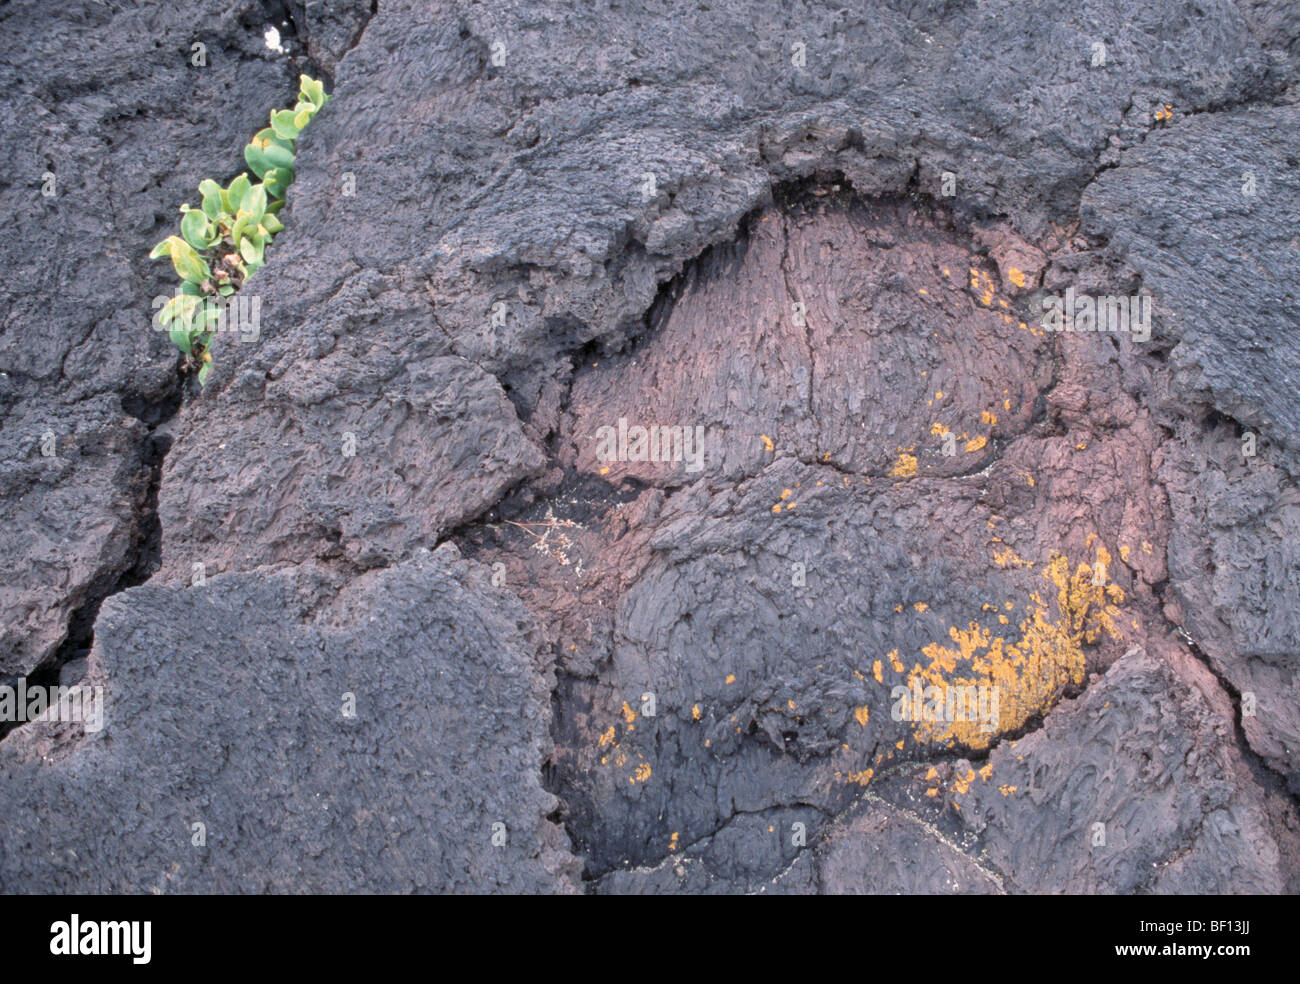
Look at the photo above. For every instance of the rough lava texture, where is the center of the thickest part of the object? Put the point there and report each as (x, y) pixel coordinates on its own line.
(817, 236)
(356, 780)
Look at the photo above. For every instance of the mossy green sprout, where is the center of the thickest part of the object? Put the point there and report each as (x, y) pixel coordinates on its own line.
(223, 242)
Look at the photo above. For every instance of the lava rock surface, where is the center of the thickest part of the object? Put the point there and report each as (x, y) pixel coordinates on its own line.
(818, 237)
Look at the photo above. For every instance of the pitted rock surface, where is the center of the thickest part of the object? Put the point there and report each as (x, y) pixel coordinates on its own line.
(821, 235)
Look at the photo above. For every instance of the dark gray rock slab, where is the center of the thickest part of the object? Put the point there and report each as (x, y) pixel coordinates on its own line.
(1137, 786)
(225, 706)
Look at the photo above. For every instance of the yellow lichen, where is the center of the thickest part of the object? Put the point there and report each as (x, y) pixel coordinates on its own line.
(905, 466)
(1025, 672)
(1009, 558)
(961, 781)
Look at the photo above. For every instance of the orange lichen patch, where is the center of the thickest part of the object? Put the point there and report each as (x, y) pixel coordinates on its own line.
(938, 428)
(876, 672)
(785, 494)
(672, 842)
(629, 715)
(982, 284)
(731, 678)
(1016, 276)
(863, 777)
(767, 442)
(1006, 404)
(899, 744)
(776, 508)
(1090, 608)
(989, 417)
(921, 606)
(1164, 112)
(895, 662)
(976, 443)
(640, 774)
(605, 470)
(938, 394)
(905, 466)
(695, 712)
(607, 738)
(932, 792)
(980, 684)
(898, 608)
(961, 781)
(986, 772)
(863, 714)
(922, 291)
(1146, 547)
(1006, 790)
(1124, 551)
(1009, 558)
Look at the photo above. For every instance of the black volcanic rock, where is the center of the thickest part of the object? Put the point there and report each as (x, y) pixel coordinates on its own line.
(366, 737)
(822, 235)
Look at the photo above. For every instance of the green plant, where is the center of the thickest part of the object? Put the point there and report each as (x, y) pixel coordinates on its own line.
(223, 242)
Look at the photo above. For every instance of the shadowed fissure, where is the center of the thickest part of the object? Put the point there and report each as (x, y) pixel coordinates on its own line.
(66, 666)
